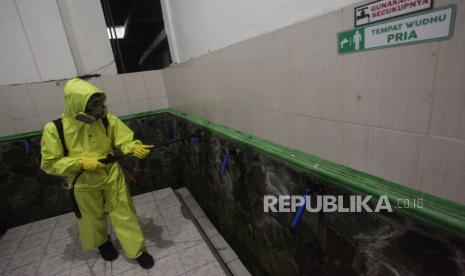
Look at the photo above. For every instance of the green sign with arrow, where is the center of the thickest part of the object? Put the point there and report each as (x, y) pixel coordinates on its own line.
(428, 26)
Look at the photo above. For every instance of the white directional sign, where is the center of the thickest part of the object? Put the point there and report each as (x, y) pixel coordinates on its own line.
(428, 26)
(385, 9)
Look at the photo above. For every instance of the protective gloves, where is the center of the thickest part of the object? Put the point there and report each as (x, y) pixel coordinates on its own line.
(90, 163)
(141, 151)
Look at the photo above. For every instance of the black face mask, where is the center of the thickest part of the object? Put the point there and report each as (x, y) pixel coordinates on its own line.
(95, 109)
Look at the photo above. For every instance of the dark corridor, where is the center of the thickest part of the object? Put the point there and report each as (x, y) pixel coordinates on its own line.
(137, 34)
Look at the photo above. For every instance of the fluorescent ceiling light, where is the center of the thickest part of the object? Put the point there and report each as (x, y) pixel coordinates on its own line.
(119, 30)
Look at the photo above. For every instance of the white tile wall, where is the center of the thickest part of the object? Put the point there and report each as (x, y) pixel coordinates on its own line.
(316, 67)
(180, 102)
(97, 82)
(139, 106)
(322, 138)
(17, 101)
(443, 168)
(448, 114)
(113, 86)
(158, 103)
(242, 79)
(270, 75)
(6, 128)
(59, 94)
(44, 98)
(154, 83)
(4, 112)
(44, 119)
(119, 109)
(237, 117)
(390, 88)
(135, 87)
(26, 124)
(278, 127)
(389, 154)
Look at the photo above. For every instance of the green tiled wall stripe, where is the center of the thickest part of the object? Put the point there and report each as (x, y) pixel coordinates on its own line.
(20, 136)
(437, 211)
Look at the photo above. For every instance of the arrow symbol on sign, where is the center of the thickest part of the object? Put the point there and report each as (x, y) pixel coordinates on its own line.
(344, 41)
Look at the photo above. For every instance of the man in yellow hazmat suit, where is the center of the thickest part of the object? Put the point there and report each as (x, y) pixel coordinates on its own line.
(87, 139)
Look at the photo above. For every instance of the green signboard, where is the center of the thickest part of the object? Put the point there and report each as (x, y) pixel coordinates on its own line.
(432, 25)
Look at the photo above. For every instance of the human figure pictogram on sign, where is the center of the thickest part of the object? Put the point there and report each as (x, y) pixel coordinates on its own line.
(357, 38)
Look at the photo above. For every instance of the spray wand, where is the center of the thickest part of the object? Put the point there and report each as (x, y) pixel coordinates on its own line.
(110, 158)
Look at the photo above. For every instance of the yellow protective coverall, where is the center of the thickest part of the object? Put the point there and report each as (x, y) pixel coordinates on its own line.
(94, 188)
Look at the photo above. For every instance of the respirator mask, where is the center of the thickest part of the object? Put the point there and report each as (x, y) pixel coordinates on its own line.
(95, 109)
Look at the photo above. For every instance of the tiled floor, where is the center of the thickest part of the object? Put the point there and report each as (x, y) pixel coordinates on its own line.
(51, 246)
(222, 248)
